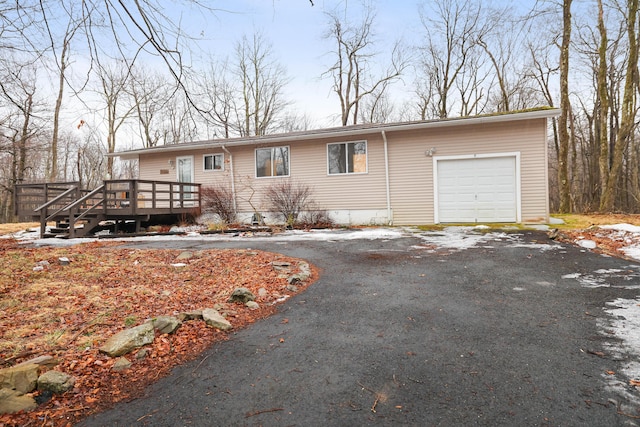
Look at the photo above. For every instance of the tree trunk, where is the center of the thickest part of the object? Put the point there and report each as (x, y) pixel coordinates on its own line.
(565, 107)
(602, 104)
(627, 121)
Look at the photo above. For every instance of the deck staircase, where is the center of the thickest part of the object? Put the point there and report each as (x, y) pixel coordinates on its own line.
(77, 212)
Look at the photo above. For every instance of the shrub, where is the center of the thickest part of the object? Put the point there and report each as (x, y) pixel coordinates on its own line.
(288, 199)
(218, 200)
(316, 218)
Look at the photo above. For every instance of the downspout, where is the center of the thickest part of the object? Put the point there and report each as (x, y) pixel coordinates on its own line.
(233, 179)
(386, 176)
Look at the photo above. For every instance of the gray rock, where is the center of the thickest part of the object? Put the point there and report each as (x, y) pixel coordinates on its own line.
(185, 255)
(262, 292)
(122, 364)
(214, 318)
(55, 382)
(252, 305)
(281, 265)
(304, 268)
(292, 288)
(166, 324)
(190, 315)
(22, 378)
(292, 280)
(12, 401)
(64, 260)
(242, 295)
(142, 353)
(128, 340)
(46, 361)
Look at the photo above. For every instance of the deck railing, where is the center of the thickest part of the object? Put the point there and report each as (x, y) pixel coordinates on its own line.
(138, 197)
(118, 199)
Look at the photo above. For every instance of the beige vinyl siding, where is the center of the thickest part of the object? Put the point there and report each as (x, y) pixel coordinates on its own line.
(308, 165)
(411, 176)
(411, 173)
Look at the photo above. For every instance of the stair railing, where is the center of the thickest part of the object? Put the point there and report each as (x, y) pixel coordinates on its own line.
(43, 208)
(73, 208)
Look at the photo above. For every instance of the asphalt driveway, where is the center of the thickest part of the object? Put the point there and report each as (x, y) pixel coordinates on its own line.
(408, 332)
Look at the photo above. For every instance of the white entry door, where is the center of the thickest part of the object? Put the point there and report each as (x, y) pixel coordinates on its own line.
(185, 173)
(482, 189)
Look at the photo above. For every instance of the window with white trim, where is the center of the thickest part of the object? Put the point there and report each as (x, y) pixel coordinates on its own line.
(347, 157)
(273, 161)
(213, 162)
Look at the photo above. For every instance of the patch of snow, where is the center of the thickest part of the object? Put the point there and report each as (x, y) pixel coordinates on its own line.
(624, 325)
(179, 265)
(459, 238)
(598, 278)
(553, 220)
(518, 289)
(540, 227)
(587, 244)
(632, 251)
(608, 271)
(622, 227)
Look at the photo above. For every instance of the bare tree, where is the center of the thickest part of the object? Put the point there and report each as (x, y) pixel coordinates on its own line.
(218, 96)
(352, 74)
(565, 107)
(151, 94)
(113, 80)
(452, 29)
(62, 64)
(629, 111)
(21, 136)
(602, 102)
(262, 80)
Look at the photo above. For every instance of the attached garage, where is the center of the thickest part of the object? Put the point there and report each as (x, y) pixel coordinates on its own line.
(481, 188)
(484, 169)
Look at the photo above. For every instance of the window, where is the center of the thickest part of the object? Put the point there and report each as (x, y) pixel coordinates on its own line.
(272, 161)
(213, 162)
(349, 157)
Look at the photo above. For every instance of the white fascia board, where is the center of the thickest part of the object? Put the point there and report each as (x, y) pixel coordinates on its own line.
(349, 131)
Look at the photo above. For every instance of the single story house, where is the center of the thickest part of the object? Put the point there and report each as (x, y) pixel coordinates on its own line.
(481, 169)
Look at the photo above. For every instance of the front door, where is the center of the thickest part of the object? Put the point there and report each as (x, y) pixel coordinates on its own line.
(185, 173)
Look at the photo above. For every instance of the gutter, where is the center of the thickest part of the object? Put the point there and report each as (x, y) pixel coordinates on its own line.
(233, 178)
(341, 133)
(386, 177)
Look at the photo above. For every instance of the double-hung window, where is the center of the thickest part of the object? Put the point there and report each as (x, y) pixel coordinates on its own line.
(213, 162)
(273, 161)
(347, 157)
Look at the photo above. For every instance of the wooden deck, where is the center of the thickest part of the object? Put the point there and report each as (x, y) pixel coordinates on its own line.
(122, 200)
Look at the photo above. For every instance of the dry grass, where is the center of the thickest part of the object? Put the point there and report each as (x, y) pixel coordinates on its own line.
(13, 227)
(583, 221)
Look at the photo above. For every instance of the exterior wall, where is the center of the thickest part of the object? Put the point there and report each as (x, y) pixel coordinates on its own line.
(411, 169)
(362, 198)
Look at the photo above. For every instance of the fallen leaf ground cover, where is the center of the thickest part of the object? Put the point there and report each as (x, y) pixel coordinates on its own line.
(67, 311)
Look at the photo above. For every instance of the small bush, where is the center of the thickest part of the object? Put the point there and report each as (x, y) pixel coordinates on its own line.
(218, 200)
(288, 199)
(316, 218)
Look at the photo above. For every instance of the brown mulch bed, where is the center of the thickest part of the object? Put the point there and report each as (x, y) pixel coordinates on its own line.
(67, 311)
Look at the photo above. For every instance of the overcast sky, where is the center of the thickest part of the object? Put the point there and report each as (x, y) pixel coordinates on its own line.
(295, 28)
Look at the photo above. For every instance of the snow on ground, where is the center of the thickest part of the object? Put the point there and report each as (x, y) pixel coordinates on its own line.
(622, 330)
(629, 235)
(461, 238)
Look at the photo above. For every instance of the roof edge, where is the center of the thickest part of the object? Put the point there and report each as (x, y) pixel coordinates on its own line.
(540, 113)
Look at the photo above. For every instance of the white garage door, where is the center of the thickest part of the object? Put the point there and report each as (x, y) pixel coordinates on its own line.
(477, 190)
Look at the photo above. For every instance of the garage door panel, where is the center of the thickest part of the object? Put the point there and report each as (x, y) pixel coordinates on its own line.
(477, 190)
